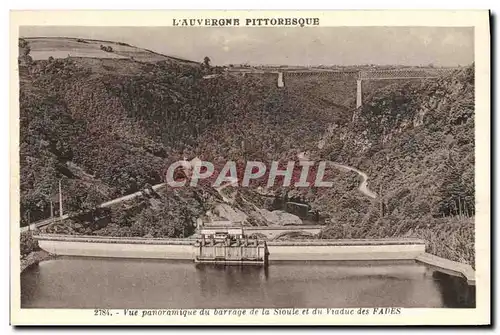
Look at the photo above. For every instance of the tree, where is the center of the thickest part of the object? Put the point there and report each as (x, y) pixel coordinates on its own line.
(22, 43)
(206, 62)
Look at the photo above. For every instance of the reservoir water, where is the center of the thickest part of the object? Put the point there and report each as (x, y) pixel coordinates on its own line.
(78, 282)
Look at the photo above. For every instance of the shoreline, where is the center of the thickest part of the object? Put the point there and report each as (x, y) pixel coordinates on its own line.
(34, 258)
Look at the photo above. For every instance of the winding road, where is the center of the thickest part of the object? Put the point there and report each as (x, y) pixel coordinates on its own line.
(45, 222)
(363, 186)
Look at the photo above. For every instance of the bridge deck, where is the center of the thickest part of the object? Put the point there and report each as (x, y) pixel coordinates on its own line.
(409, 73)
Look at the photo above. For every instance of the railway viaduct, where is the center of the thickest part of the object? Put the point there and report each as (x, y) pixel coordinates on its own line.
(359, 75)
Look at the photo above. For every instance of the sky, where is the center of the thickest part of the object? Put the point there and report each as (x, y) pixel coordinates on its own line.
(441, 46)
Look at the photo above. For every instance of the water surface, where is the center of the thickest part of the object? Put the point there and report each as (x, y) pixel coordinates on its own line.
(78, 282)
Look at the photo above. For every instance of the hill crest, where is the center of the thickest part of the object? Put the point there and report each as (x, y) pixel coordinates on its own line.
(41, 48)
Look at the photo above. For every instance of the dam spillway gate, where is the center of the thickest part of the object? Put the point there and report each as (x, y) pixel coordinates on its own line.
(230, 246)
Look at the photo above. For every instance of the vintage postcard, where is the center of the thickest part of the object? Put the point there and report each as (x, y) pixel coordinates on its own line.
(250, 167)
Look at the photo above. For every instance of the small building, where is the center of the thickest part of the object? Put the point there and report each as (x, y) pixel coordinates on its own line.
(222, 232)
(220, 227)
(225, 242)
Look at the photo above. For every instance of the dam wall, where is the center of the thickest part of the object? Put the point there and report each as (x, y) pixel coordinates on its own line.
(183, 249)
(303, 250)
(119, 250)
(344, 252)
(93, 246)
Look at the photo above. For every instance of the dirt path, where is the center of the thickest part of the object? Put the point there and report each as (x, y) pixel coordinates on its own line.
(363, 187)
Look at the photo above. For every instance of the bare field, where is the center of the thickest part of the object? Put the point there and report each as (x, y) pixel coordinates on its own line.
(44, 55)
(42, 48)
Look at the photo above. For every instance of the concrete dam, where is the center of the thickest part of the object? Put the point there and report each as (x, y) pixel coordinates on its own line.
(292, 251)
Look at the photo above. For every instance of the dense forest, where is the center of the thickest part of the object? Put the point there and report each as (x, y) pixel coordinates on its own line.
(416, 142)
(107, 133)
(109, 127)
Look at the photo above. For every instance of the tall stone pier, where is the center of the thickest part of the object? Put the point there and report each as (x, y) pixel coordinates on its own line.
(359, 93)
(280, 79)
